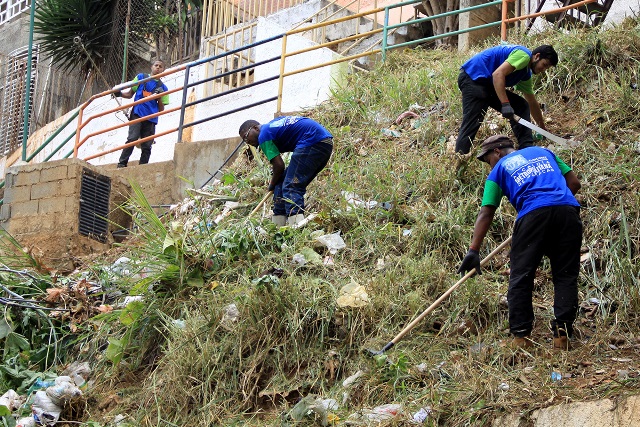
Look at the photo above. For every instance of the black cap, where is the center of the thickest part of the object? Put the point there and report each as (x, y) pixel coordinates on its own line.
(495, 141)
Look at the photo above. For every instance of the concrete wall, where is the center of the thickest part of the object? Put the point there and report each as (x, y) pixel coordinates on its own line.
(42, 201)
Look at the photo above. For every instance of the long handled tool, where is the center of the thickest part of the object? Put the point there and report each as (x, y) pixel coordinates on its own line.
(437, 302)
(541, 131)
(264, 199)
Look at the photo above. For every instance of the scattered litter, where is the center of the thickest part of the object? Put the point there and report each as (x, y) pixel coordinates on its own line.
(299, 259)
(623, 374)
(585, 257)
(313, 405)
(311, 256)
(63, 391)
(621, 359)
(407, 232)
(328, 260)
(390, 132)
(595, 301)
(26, 422)
(226, 211)
(332, 241)
(11, 400)
(406, 114)
(503, 386)
(44, 410)
(352, 379)
(186, 207)
(387, 206)
(179, 323)
(528, 369)
(422, 367)
(379, 413)
(80, 372)
(380, 264)
(122, 266)
(305, 221)
(353, 295)
(129, 299)
(231, 315)
(422, 414)
(355, 201)
(118, 419)
(556, 376)
(418, 123)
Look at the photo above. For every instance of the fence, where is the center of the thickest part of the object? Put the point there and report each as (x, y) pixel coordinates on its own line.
(241, 58)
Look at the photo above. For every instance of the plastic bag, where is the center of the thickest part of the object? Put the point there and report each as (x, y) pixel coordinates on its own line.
(63, 391)
(43, 408)
(11, 400)
(332, 241)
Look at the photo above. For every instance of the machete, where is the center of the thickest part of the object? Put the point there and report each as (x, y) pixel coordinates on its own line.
(538, 129)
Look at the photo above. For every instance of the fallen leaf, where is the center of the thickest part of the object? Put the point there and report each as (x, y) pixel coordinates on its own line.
(105, 308)
(54, 294)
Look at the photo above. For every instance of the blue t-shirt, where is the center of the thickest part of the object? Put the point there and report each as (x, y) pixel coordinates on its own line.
(290, 132)
(144, 90)
(482, 65)
(531, 178)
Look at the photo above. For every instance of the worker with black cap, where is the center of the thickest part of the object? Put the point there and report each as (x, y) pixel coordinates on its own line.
(541, 188)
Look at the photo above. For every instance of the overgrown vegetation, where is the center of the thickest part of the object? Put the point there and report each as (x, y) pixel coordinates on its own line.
(232, 332)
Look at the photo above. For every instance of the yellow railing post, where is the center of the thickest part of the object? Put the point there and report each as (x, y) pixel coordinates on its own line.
(283, 55)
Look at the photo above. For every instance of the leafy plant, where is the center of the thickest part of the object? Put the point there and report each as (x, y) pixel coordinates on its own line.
(75, 33)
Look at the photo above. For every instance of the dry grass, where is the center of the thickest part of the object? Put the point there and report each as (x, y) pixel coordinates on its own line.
(292, 340)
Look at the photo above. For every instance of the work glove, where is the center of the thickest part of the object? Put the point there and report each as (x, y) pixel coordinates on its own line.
(470, 261)
(116, 94)
(507, 111)
(158, 90)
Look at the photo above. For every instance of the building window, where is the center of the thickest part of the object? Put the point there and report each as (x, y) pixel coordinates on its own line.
(11, 8)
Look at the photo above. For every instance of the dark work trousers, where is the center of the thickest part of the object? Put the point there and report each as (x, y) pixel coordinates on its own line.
(304, 166)
(137, 131)
(476, 98)
(554, 231)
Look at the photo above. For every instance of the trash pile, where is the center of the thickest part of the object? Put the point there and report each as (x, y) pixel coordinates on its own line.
(46, 400)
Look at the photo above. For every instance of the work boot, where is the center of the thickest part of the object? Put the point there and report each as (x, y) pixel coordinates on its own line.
(279, 220)
(293, 220)
(561, 344)
(521, 343)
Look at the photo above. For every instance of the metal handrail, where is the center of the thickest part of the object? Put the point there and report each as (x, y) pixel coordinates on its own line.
(385, 29)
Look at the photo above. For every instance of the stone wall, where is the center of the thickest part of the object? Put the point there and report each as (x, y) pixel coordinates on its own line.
(42, 202)
(42, 206)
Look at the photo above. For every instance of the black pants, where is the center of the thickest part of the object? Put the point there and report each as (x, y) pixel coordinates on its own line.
(137, 131)
(477, 97)
(554, 231)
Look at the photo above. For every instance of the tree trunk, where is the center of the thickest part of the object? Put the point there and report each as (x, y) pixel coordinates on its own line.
(445, 24)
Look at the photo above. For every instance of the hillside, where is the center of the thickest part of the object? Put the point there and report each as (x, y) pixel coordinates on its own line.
(233, 329)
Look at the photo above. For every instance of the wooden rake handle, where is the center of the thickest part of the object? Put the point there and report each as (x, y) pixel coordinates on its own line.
(264, 199)
(437, 302)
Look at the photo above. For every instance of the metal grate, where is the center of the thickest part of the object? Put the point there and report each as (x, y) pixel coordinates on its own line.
(13, 97)
(94, 205)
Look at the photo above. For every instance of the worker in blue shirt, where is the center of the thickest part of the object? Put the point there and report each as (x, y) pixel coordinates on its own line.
(541, 188)
(311, 146)
(483, 81)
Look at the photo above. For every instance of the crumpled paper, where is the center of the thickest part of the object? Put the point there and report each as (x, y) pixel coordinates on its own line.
(353, 295)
